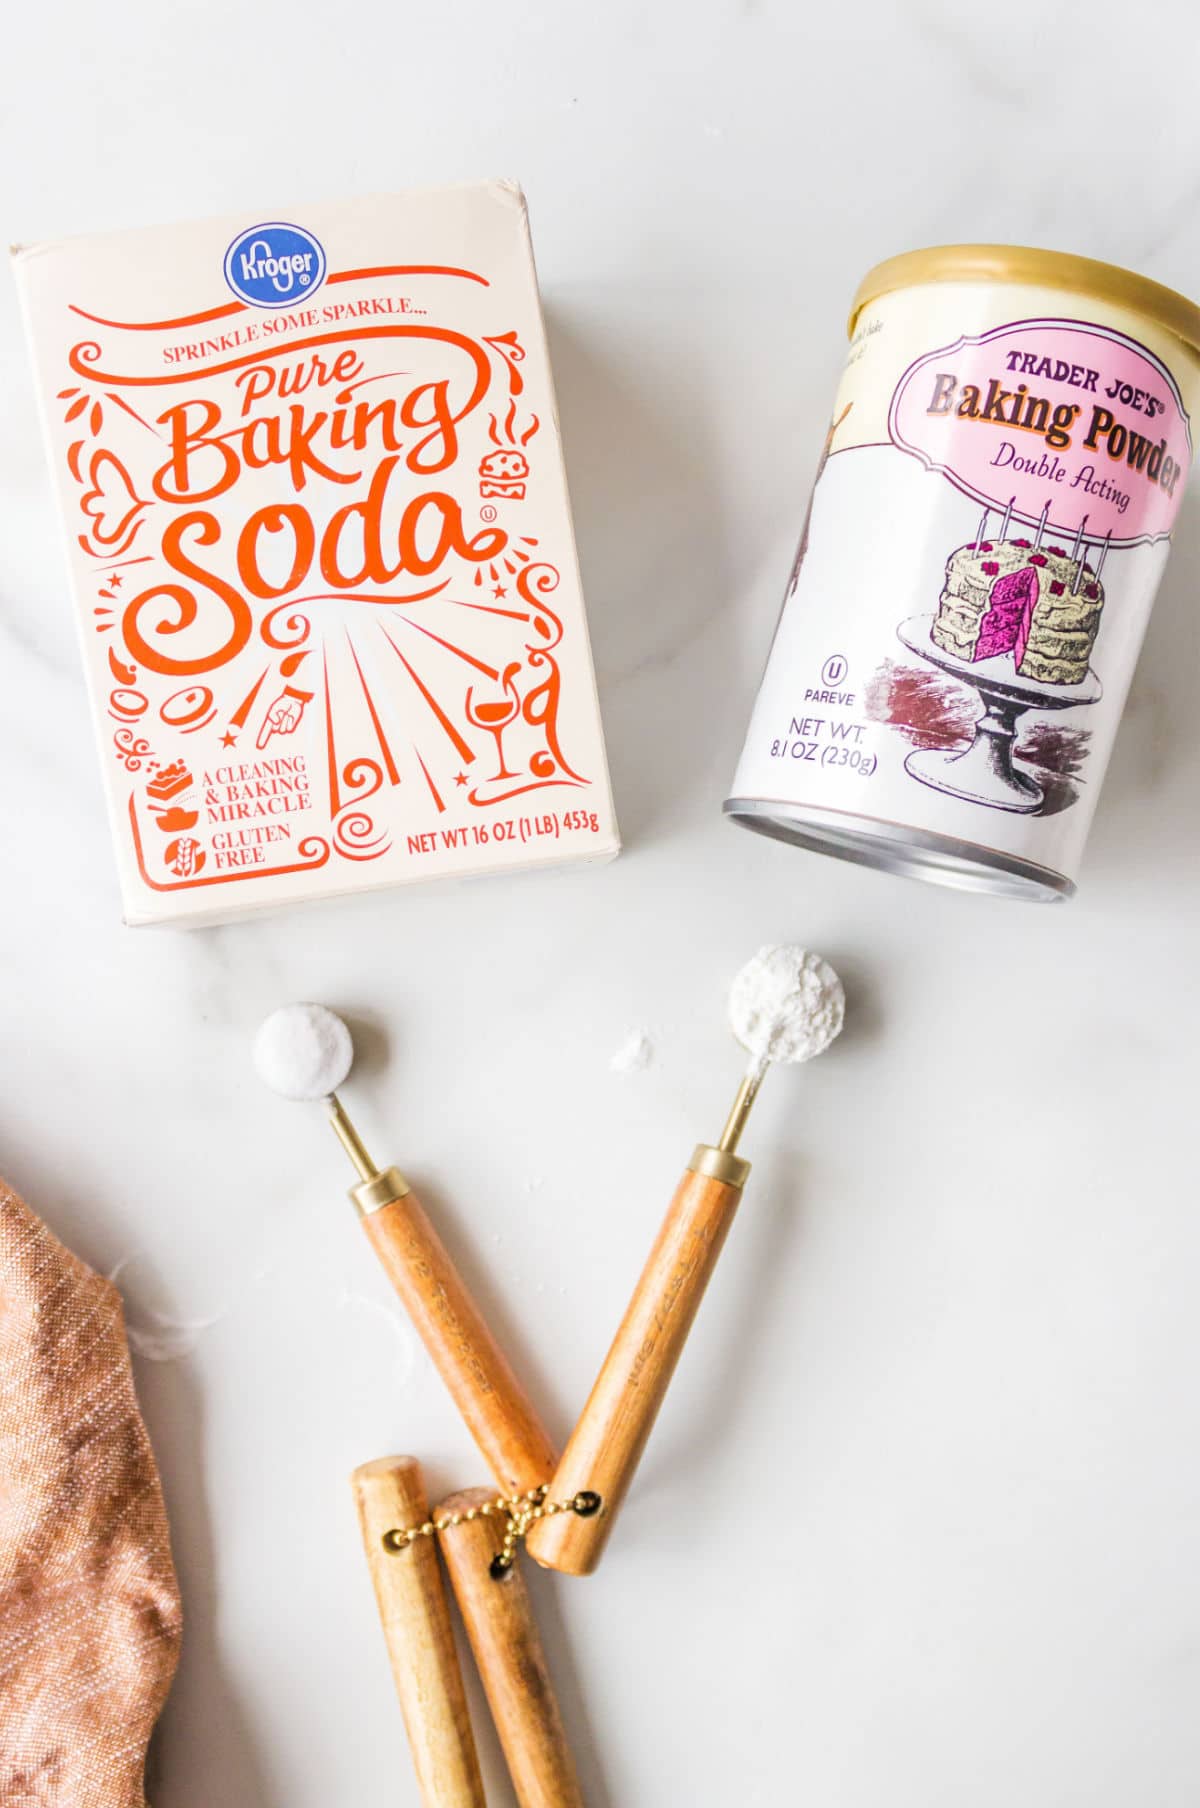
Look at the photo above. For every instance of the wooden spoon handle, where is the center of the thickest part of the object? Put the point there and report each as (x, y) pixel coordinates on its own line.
(508, 1651)
(606, 1446)
(498, 1412)
(412, 1602)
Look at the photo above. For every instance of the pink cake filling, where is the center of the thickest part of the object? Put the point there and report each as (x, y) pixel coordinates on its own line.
(1005, 627)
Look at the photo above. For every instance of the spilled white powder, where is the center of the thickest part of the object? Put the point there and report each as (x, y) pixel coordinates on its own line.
(634, 1055)
(167, 1339)
(406, 1343)
(156, 1335)
(786, 1005)
(303, 1051)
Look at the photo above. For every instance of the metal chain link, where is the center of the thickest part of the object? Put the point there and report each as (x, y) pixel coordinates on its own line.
(521, 1512)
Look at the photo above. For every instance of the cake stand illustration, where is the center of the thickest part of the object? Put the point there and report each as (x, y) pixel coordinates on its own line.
(984, 773)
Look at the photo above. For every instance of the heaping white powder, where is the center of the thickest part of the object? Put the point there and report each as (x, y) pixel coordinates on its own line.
(786, 1005)
(303, 1051)
(634, 1055)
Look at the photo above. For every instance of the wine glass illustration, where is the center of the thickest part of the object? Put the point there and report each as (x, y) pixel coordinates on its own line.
(495, 717)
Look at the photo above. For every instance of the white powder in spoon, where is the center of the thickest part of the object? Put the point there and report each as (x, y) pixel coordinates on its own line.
(303, 1051)
(786, 1005)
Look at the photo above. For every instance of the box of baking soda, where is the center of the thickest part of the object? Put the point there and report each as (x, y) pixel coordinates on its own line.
(320, 542)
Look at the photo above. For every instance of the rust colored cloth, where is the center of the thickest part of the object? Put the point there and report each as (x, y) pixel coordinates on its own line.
(89, 1607)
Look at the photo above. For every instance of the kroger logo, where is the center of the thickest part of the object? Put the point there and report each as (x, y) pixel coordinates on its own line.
(270, 266)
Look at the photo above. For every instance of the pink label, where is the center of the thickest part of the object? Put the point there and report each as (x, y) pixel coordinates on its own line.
(1053, 424)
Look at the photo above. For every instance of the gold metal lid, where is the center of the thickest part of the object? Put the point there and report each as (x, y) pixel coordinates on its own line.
(1025, 264)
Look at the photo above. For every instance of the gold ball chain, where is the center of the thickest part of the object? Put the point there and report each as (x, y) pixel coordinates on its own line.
(521, 1511)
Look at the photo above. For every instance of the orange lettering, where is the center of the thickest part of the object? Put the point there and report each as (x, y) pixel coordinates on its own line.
(272, 520)
(173, 481)
(441, 418)
(187, 607)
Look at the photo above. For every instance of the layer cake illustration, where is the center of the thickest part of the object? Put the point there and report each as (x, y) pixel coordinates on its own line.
(1042, 607)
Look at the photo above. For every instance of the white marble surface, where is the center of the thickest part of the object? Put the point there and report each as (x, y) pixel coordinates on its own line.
(920, 1524)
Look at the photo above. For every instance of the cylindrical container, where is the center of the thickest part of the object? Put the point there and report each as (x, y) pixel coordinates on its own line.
(991, 516)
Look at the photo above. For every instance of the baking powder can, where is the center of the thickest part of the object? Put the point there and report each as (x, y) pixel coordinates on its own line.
(991, 516)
